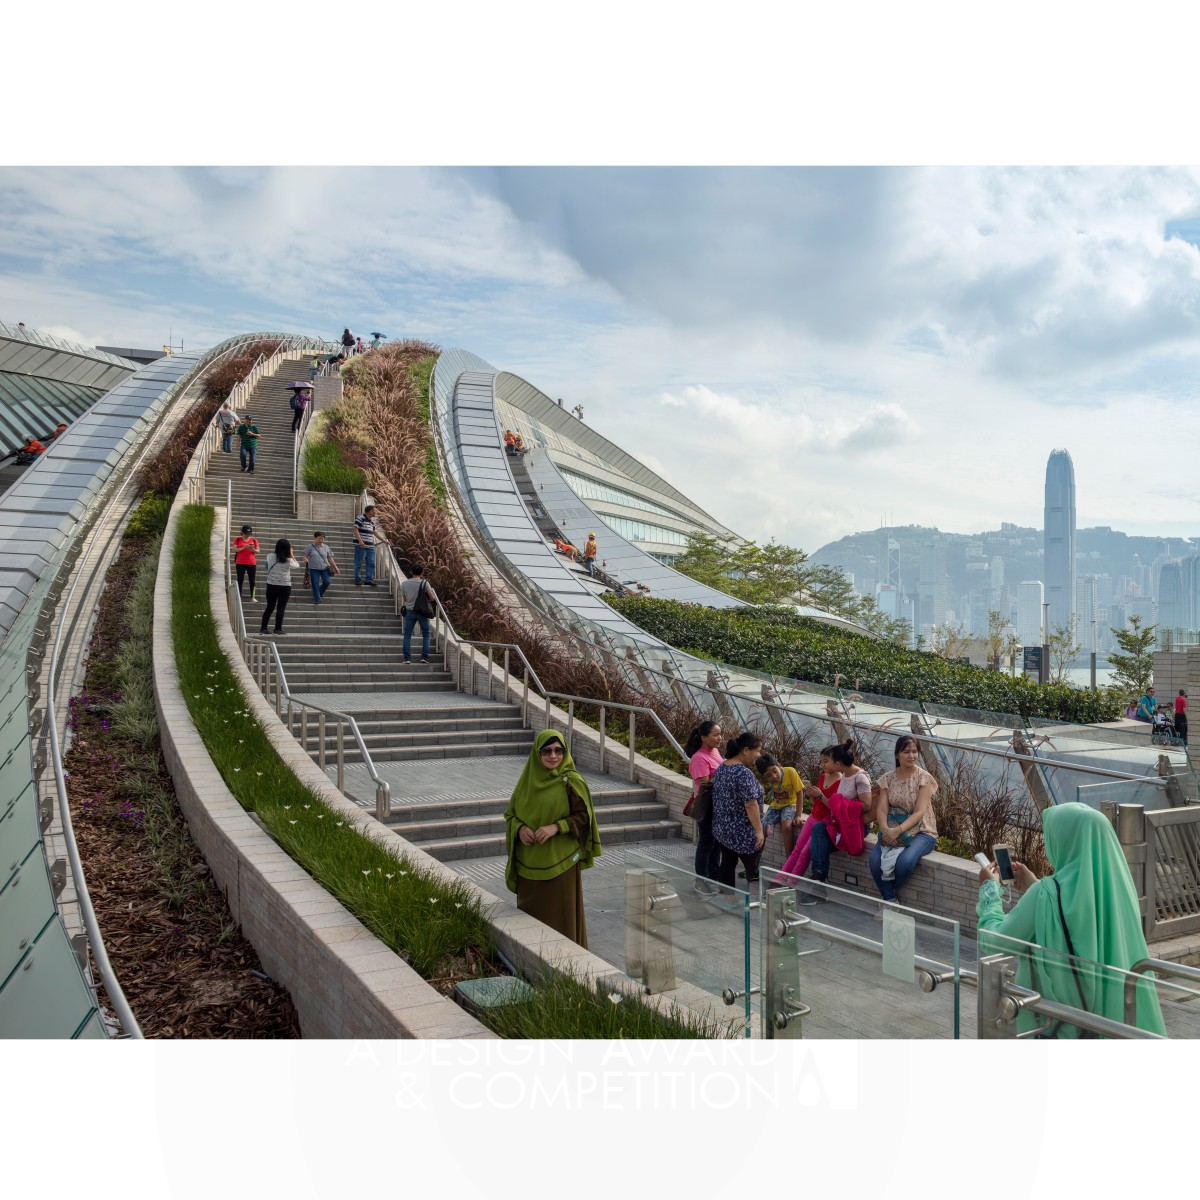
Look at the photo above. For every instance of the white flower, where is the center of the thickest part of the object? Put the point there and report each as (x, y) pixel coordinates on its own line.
(320, 816)
(366, 872)
(457, 905)
(614, 997)
(237, 768)
(390, 876)
(340, 824)
(291, 822)
(432, 899)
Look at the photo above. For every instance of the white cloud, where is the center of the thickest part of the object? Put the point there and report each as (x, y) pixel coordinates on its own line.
(910, 342)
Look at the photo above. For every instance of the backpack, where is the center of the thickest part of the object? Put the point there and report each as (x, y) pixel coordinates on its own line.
(294, 403)
(422, 605)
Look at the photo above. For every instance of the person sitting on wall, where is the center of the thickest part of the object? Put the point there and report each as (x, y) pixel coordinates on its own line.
(510, 442)
(519, 445)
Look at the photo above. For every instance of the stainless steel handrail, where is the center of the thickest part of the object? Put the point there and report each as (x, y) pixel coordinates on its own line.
(260, 665)
(1159, 967)
(391, 569)
(1024, 997)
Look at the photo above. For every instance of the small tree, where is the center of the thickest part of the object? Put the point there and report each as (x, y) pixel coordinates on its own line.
(949, 641)
(1133, 670)
(1064, 647)
(994, 642)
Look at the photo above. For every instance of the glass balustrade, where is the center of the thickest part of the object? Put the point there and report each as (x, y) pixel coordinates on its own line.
(839, 964)
(691, 939)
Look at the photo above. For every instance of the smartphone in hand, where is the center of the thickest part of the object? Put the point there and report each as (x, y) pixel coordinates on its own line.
(1003, 857)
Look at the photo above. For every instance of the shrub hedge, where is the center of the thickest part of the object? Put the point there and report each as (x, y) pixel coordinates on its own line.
(781, 642)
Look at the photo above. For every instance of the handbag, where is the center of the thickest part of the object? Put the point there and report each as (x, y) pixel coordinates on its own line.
(422, 605)
(307, 577)
(897, 816)
(699, 807)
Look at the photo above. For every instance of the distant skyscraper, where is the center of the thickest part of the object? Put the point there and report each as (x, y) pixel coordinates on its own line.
(933, 584)
(1059, 561)
(1029, 612)
(1172, 606)
(1190, 568)
(1087, 609)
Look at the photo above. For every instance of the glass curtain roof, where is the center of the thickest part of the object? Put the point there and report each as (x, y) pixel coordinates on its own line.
(29, 405)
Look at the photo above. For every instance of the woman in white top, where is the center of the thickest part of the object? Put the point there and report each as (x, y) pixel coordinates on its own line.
(280, 566)
(908, 830)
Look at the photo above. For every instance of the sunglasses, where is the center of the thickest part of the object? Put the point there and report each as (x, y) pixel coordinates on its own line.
(552, 750)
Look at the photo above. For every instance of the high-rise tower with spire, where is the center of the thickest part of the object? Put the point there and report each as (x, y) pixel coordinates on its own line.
(1059, 561)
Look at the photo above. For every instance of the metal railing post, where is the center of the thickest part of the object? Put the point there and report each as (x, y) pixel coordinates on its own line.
(632, 744)
(570, 723)
(1131, 833)
(304, 729)
(383, 801)
(995, 1013)
(504, 681)
(603, 712)
(525, 701)
(321, 740)
(341, 756)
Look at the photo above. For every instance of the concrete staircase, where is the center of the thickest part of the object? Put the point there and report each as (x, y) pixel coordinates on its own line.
(475, 828)
(346, 654)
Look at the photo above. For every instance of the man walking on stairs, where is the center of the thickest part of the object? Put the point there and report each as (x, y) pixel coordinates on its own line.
(248, 436)
(417, 600)
(320, 562)
(365, 537)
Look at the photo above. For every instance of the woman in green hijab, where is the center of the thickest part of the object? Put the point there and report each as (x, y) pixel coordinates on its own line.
(551, 835)
(1087, 910)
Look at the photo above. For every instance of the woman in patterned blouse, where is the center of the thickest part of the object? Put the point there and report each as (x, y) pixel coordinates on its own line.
(737, 810)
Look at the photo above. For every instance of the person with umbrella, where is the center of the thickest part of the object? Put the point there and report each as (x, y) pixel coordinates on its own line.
(376, 338)
(301, 395)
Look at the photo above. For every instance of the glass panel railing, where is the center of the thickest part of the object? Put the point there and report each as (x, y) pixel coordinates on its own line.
(839, 964)
(1028, 992)
(690, 939)
(1118, 791)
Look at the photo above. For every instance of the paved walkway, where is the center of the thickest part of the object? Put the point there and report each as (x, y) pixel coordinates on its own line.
(846, 988)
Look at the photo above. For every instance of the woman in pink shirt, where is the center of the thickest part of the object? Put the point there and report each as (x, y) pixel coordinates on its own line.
(704, 757)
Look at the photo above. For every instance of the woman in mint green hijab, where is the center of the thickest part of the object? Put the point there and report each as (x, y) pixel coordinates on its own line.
(551, 835)
(1088, 908)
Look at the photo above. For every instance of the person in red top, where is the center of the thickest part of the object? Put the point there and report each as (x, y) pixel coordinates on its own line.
(246, 560)
(827, 783)
(1181, 716)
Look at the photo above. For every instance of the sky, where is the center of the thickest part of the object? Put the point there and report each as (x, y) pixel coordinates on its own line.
(808, 351)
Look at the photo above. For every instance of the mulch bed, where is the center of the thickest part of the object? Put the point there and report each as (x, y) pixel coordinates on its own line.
(184, 965)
